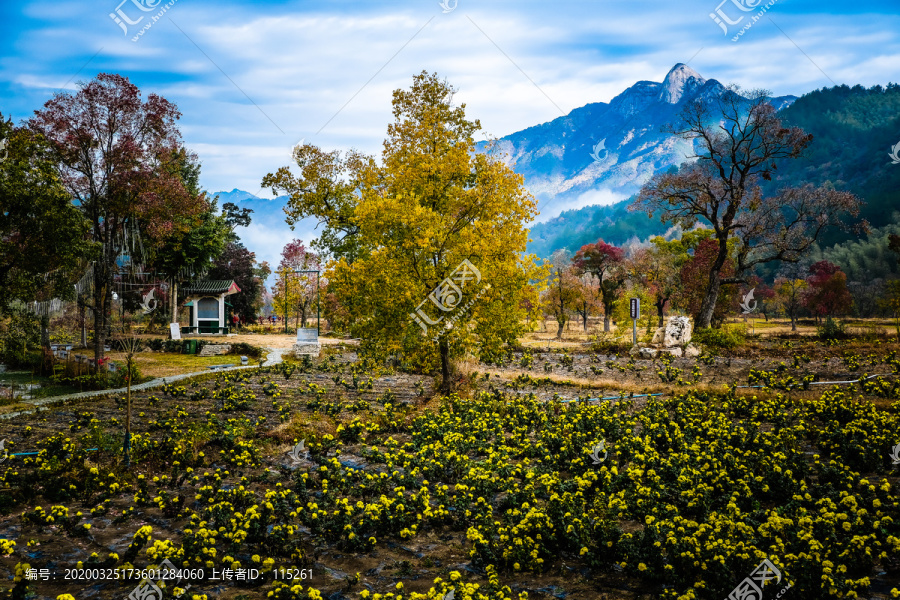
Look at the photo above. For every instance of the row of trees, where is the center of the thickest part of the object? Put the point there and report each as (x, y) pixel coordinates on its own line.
(98, 182)
(397, 231)
(672, 275)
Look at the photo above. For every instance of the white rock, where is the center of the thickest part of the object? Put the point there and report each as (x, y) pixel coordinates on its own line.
(691, 351)
(307, 348)
(678, 332)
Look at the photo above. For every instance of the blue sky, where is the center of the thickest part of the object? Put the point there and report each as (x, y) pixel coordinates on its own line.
(253, 79)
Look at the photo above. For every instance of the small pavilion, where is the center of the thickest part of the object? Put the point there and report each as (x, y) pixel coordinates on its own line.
(206, 302)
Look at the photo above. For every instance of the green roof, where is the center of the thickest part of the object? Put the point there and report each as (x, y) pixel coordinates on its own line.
(213, 286)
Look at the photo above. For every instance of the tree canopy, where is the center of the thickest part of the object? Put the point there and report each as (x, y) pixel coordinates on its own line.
(116, 156)
(42, 234)
(438, 225)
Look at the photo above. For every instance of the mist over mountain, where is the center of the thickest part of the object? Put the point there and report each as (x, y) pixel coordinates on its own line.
(601, 153)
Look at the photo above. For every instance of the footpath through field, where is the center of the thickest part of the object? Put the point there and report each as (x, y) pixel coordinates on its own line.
(280, 345)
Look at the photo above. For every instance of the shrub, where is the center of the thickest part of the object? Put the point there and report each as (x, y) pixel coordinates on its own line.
(87, 381)
(832, 330)
(120, 377)
(719, 338)
(246, 349)
(601, 344)
(20, 341)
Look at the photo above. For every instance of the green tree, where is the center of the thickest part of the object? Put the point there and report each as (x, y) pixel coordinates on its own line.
(42, 234)
(197, 239)
(789, 294)
(238, 263)
(326, 189)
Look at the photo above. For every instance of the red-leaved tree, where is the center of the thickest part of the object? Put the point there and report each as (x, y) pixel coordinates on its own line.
(604, 262)
(296, 291)
(827, 294)
(114, 152)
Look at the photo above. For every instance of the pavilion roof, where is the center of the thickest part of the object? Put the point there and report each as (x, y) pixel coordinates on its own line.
(213, 286)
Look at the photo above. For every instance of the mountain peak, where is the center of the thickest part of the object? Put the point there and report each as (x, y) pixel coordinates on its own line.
(680, 79)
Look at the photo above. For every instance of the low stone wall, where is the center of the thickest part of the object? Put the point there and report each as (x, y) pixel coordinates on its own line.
(215, 349)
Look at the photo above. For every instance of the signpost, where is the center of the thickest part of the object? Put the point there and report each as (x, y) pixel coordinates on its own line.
(175, 330)
(635, 315)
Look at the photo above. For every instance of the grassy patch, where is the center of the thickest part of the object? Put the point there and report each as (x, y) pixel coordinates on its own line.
(166, 364)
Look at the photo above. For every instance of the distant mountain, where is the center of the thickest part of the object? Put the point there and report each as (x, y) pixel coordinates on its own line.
(608, 151)
(595, 155)
(268, 232)
(854, 132)
(265, 210)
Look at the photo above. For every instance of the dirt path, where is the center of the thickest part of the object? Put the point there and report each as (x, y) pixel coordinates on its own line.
(274, 341)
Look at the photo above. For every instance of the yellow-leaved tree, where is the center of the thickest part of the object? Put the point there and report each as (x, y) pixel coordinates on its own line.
(440, 265)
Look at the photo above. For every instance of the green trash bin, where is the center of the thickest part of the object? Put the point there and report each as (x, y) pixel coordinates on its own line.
(190, 346)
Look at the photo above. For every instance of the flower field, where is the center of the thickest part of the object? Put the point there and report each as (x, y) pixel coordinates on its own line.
(493, 493)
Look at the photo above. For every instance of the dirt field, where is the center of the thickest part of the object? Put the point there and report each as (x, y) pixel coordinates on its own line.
(207, 451)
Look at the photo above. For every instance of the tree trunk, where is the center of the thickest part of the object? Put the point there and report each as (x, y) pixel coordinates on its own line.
(99, 309)
(303, 308)
(560, 330)
(444, 347)
(584, 318)
(45, 332)
(608, 294)
(127, 446)
(173, 291)
(704, 319)
(660, 313)
(83, 318)
(793, 323)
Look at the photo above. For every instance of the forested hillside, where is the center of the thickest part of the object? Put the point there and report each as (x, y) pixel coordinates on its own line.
(853, 131)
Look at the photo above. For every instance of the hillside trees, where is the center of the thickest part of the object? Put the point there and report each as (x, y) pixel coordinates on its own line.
(741, 143)
(113, 151)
